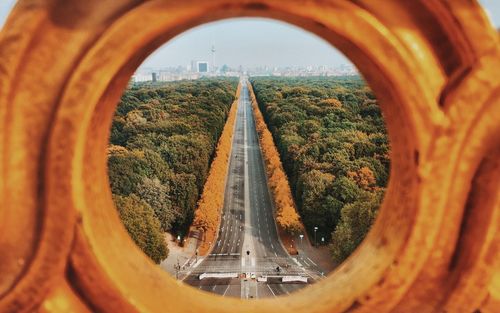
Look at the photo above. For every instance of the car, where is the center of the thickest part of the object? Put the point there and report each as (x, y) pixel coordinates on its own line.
(253, 276)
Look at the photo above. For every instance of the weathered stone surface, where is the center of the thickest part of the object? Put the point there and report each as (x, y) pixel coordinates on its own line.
(433, 65)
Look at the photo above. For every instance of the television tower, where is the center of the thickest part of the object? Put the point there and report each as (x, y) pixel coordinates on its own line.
(213, 57)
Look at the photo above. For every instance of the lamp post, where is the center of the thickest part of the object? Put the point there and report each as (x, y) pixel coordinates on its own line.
(301, 237)
(177, 268)
(315, 241)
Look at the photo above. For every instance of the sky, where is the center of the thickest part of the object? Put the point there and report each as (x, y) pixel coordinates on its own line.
(248, 42)
(235, 40)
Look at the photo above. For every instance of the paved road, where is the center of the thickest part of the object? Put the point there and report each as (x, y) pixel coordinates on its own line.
(247, 240)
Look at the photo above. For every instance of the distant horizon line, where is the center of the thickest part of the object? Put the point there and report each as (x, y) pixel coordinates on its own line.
(252, 66)
(237, 76)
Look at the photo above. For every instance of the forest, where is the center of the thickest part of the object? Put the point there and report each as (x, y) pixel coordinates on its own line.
(332, 141)
(162, 142)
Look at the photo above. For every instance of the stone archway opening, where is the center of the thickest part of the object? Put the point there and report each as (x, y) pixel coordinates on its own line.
(394, 46)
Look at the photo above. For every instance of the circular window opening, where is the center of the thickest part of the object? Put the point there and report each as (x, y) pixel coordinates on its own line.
(248, 158)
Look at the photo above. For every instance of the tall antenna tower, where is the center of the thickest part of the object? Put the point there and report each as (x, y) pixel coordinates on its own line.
(213, 58)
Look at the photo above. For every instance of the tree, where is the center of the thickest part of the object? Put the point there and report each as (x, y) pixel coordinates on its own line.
(154, 193)
(356, 221)
(333, 145)
(363, 177)
(163, 139)
(345, 189)
(143, 227)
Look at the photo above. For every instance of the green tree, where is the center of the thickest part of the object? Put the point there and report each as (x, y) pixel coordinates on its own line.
(156, 194)
(142, 225)
(163, 138)
(356, 221)
(324, 128)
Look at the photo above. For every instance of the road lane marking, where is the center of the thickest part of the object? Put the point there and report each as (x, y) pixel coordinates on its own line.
(312, 261)
(298, 263)
(271, 290)
(224, 294)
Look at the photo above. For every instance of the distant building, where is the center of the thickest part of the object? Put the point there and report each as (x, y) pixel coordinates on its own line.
(141, 77)
(155, 78)
(200, 66)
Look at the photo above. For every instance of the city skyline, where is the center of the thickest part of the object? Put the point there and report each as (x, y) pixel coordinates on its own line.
(250, 42)
(247, 42)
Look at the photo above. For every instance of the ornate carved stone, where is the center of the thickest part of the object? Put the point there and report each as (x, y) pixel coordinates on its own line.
(433, 65)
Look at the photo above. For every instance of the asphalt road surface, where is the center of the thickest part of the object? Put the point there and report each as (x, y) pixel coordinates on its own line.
(248, 259)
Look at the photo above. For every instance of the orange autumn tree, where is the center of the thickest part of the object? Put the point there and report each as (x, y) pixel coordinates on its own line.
(364, 177)
(208, 211)
(287, 217)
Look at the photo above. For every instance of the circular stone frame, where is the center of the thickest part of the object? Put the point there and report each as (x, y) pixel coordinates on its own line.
(434, 247)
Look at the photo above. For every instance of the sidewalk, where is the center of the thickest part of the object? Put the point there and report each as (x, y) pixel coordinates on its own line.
(177, 255)
(320, 255)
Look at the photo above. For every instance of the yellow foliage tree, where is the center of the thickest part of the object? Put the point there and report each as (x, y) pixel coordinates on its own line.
(287, 217)
(208, 211)
(364, 177)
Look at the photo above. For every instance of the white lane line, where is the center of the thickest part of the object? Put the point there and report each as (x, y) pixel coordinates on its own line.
(312, 261)
(298, 263)
(224, 294)
(271, 290)
(222, 254)
(198, 263)
(275, 254)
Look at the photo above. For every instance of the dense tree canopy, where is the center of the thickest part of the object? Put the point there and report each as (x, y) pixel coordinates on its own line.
(142, 225)
(333, 144)
(162, 141)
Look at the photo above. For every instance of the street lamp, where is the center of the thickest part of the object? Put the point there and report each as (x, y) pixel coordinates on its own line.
(315, 241)
(177, 268)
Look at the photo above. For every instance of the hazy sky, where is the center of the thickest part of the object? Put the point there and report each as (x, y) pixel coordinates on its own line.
(250, 42)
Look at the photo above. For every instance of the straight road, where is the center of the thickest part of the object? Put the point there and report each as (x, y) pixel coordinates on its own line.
(247, 241)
